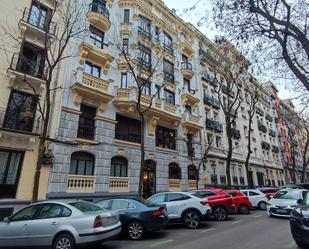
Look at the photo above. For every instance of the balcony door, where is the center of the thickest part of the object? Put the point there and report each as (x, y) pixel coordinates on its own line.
(149, 183)
(10, 165)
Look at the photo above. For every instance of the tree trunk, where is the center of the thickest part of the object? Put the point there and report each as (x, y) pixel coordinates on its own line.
(142, 162)
(229, 153)
(248, 153)
(43, 136)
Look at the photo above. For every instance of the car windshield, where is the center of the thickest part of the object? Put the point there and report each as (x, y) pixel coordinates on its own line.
(86, 207)
(293, 195)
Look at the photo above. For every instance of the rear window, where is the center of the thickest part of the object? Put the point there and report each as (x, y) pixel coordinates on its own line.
(145, 202)
(268, 190)
(86, 207)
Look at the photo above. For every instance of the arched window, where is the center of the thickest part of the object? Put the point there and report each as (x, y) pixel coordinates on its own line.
(192, 172)
(82, 163)
(119, 167)
(174, 171)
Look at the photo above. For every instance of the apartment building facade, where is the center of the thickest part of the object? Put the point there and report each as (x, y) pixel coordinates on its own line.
(23, 33)
(100, 124)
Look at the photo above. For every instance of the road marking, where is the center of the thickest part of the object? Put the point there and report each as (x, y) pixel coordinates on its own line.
(291, 244)
(159, 243)
(206, 230)
(257, 216)
(236, 222)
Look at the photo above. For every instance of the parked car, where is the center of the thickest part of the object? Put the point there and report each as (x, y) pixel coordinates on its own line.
(256, 197)
(221, 203)
(241, 202)
(59, 225)
(137, 215)
(303, 185)
(183, 206)
(269, 192)
(299, 222)
(284, 202)
(291, 186)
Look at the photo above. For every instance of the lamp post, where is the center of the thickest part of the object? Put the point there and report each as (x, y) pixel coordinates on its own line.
(214, 166)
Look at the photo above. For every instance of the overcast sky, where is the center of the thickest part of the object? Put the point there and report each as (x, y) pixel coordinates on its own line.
(204, 10)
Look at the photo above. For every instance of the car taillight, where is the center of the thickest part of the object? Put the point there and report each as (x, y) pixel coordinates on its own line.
(204, 203)
(159, 212)
(97, 222)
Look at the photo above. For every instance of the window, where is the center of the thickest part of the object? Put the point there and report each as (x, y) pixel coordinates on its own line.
(119, 167)
(186, 84)
(188, 109)
(169, 97)
(5, 212)
(174, 171)
(125, 45)
(124, 80)
(145, 86)
(51, 210)
(86, 207)
(218, 141)
(177, 197)
(168, 69)
(157, 33)
(168, 43)
(86, 128)
(126, 15)
(158, 90)
(204, 194)
(144, 57)
(20, 113)
(38, 16)
(10, 164)
(82, 163)
(25, 214)
(31, 60)
(144, 26)
(92, 69)
(128, 129)
(165, 138)
(191, 151)
(192, 172)
(252, 193)
(121, 204)
(106, 204)
(97, 37)
(159, 198)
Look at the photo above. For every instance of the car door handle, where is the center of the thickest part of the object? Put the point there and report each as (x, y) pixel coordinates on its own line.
(26, 225)
(54, 223)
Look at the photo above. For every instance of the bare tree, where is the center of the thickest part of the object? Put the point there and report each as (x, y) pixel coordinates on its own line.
(272, 32)
(253, 98)
(68, 16)
(305, 155)
(143, 73)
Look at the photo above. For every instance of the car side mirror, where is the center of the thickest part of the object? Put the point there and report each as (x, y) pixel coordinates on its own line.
(299, 201)
(6, 220)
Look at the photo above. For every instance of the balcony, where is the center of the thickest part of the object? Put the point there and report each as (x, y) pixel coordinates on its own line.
(275, 149)
(144, 33)
(211, 100)
(262, 127)
(168, 49)
(174, 185)
(34, 27)
(91, 87)
(23, 70)
(191, 123)
(169, 77)
(98, 16)
(192, 184)
(269, 117)
(189, 97)
(96, 55)
(235, 134)
(118, 184)
(265, 145)
(214, 125)
(80, 184)
(185, 46)
(186, 69)
(206, 57)
(86, 130)
(227, 90)
(271, 133)
(259, 111)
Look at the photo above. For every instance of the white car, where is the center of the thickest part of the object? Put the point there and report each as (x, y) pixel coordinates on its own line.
(284, 201)
(256, 197)
(59, 225)
(182, 206)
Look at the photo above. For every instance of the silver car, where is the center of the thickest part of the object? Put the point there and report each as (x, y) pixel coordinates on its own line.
(284, 201)
(59, 225)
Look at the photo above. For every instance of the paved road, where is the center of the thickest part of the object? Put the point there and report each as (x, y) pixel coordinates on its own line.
(256, 230)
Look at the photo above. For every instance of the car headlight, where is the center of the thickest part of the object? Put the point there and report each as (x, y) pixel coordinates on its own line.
(292, 206)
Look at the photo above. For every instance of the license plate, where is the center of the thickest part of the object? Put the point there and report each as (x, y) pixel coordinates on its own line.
(281, 211)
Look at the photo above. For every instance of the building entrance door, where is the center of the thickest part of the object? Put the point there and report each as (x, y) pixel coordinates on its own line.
(149, 183)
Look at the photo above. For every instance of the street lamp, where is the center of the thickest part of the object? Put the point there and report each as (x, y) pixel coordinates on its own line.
(214, 166)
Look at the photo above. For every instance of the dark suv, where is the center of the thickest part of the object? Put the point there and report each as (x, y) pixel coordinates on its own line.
(299, 222)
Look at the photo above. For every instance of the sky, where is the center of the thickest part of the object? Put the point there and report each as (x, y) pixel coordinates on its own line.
(203, 9)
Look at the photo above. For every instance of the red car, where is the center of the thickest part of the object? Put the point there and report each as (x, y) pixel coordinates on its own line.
(221, 203)
(269, 191)
(241, 202)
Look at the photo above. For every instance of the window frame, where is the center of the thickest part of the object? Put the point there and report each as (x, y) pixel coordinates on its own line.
(82, 156)
(123, 166)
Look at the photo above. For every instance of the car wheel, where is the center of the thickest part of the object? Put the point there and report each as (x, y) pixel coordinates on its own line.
(244, 209)
(262, 205)
(191, 219)
(64, 241)
(220, 213)
(135, 230)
